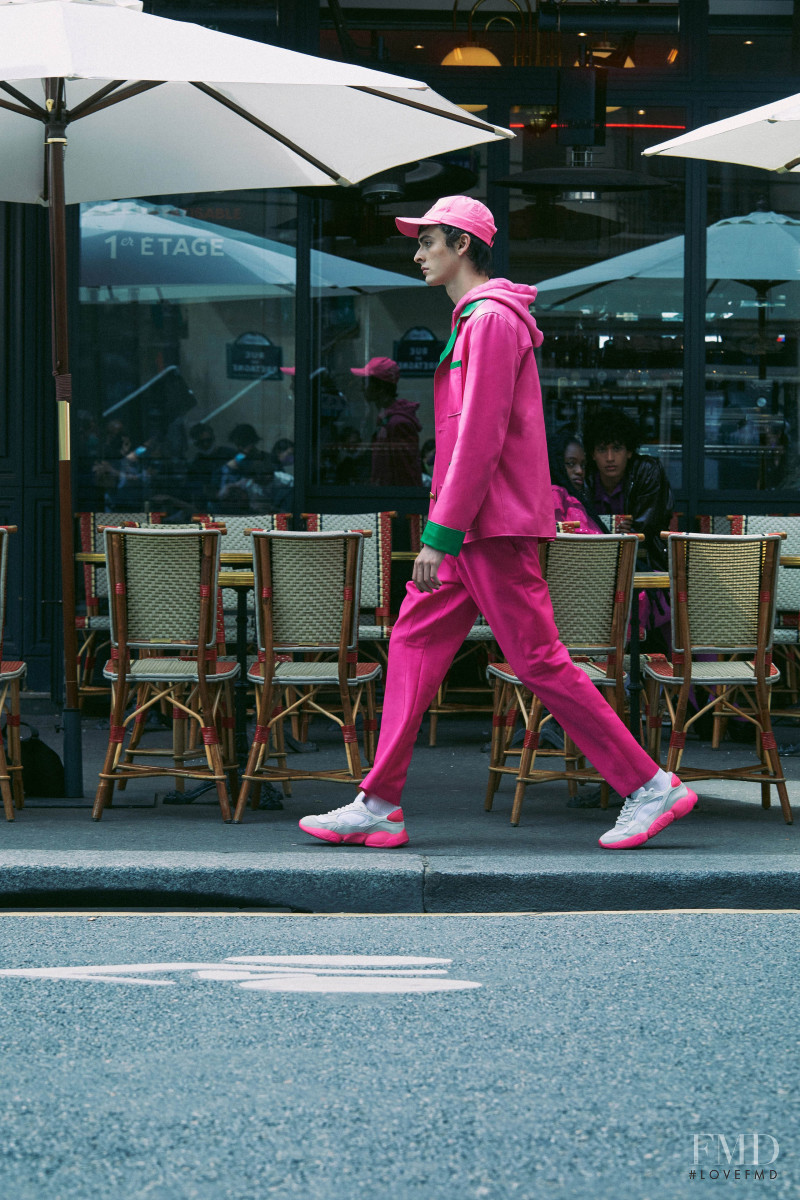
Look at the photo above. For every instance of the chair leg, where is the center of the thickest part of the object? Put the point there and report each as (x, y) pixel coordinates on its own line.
(675, 752)
(136, 733)
(280, 749)
(498, 697)
(15, 748)
(370, 724)
(653, 720)
(434, 716)
(257, 747)
(5, 783)
(770, 750)
(527, 758)
(105, 785)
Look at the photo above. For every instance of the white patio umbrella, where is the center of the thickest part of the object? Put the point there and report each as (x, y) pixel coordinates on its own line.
(134, 104)
(767, 137)
(132, 250)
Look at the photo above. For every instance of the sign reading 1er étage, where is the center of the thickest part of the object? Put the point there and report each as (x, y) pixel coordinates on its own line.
(418, 351)
(253, 356)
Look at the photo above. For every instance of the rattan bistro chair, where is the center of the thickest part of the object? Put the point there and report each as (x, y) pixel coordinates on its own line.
(590, 579)
(307, 588)
(11, 676)
(163, 589)
(92, 621)
(723, 595)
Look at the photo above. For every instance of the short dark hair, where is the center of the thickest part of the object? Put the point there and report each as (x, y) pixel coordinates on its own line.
(611, 425)
(478, 252)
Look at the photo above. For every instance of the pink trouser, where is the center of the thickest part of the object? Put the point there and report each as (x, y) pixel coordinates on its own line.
(501, 578)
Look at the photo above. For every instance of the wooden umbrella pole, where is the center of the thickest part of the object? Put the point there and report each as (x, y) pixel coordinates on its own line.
(55, 148)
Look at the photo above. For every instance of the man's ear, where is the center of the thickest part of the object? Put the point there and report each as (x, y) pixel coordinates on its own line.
(463, 243)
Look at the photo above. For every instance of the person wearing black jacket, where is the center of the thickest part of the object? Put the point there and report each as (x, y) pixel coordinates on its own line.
(622, 481)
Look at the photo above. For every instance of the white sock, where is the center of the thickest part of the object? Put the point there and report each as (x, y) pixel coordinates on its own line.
(661, 782)
(378, 807)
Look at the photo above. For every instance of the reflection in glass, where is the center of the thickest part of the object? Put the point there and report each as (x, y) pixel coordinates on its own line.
(601, 235)
(186, 317)
(753, 294)
(377, 340)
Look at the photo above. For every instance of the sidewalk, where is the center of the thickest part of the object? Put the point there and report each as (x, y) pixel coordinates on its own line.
(727, 853)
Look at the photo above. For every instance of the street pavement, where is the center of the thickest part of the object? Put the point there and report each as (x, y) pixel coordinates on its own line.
(727, 853)
(594, 1049)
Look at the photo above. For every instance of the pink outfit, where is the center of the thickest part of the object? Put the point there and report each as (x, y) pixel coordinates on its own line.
(492, 480)
(569, 509)
(501, 578)
(491, 476)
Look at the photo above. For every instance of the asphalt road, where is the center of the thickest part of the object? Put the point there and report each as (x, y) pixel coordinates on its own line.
(241, 1056)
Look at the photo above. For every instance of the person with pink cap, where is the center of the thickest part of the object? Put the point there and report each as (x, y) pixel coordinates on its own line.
(395, 444)
(491, 503)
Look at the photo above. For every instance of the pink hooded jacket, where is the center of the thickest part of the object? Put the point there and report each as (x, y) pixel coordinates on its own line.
(491, 477)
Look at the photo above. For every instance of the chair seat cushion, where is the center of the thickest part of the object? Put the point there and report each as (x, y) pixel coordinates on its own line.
(11, 670)
(479, 633)
(165, 670)
(307, 674)
(786, 637)
(707, 673)
(595, 671)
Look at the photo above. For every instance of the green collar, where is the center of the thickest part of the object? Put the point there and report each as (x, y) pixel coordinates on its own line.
(468, 308)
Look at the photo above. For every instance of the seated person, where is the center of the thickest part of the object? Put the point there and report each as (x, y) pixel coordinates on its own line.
(622, 481)
(567, 476)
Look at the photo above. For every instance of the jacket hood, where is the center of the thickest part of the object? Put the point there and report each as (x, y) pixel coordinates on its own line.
(403, 410)
(517, 296)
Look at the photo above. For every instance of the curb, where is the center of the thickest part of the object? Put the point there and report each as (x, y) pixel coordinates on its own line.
(415, 884)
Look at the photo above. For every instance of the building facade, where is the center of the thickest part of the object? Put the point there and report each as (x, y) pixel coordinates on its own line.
(216, 335)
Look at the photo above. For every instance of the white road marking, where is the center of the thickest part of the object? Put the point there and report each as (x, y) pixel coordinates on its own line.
(351, 973)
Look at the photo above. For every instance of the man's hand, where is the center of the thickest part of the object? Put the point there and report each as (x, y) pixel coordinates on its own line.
(426, 569)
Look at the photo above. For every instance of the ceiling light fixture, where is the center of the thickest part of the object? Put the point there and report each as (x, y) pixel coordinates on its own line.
(473, 55)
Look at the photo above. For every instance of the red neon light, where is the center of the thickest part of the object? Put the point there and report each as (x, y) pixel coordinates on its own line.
(610, 125)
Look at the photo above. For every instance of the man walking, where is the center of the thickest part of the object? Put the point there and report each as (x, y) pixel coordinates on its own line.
(491, 502)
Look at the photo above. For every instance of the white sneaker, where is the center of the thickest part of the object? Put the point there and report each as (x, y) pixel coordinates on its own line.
(642, 819)
(354, 824)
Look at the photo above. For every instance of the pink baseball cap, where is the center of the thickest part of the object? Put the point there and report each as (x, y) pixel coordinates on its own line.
(379, 368)
(461, 211)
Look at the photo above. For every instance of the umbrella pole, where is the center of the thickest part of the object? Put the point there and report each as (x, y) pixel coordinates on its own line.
(55, 148)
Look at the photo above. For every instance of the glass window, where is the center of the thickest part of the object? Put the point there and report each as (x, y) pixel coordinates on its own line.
(600, 232)
(752, 307)
(503, 33)
(747, 39)
(186, 321)
(378, 330)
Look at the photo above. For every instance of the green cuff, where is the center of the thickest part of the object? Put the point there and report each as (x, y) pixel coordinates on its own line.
(439, 537)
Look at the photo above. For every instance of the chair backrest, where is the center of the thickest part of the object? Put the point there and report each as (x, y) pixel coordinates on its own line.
(590, 578)
(236, 539)
(788, 578)
(307, 590)
(377, 565)
(717, 524)
(90, 531)
(722, 590)
(163, 586)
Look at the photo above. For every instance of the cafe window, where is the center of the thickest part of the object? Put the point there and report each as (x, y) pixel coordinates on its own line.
(378, 330)
(599, 230)
(752, 347)
(186, 324)
(748, 38)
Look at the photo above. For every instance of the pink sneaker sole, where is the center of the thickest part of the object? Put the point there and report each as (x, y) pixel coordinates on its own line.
(679, 809)
(381, 838)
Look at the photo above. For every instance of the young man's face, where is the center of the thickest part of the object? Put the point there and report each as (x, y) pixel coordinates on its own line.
(611, 460)
(438, 262)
